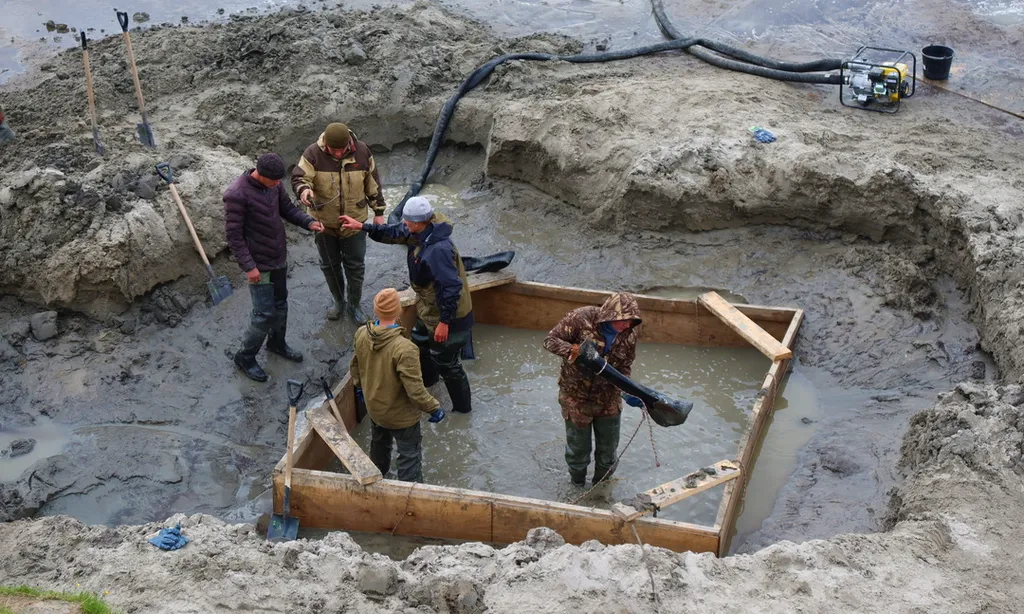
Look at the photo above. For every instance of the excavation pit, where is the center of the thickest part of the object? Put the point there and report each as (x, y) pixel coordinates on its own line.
(360, 500)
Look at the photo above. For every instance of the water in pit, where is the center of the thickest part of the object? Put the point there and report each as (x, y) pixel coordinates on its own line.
(513, 442)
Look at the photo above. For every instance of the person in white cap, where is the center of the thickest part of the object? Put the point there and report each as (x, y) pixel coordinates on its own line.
(444, 325)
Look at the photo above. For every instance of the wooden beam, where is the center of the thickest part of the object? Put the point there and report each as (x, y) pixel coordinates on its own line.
(662, 496)
(536, 307)
(732, 497)
(746, 327)
(343, 446)
(337, 501)
(586, 296)
(477, 282)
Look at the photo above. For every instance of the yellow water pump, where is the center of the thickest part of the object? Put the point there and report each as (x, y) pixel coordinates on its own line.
(877, 79)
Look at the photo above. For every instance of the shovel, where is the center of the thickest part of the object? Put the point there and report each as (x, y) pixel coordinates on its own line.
(145, 132)
(92, 101)
(219, 286)
(284, 527)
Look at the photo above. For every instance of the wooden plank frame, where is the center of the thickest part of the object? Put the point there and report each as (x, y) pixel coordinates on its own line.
(327, 500)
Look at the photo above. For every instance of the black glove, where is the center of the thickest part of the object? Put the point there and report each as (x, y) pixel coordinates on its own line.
(590, 358)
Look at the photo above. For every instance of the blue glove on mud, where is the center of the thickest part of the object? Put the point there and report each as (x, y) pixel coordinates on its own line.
(437, 416)
(762, 135)
(632, 401)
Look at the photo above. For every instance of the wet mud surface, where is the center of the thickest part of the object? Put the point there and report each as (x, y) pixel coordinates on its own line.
(898, 236)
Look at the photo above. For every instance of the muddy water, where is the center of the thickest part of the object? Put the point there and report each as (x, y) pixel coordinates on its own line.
(513, 442)
(48, 439)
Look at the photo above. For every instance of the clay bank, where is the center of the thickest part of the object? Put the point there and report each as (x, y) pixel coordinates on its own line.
(898, 236)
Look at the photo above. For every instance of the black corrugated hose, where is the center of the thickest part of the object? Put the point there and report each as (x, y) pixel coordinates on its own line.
(714, 53)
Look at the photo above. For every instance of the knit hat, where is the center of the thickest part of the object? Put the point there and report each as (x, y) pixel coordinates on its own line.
(417, 209)
(270, 165)
(336, 136)
(387, 305)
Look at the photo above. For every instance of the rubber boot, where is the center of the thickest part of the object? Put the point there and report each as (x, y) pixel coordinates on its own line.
(251, 368)
(337, 288)
(578, 479)
(461, 396)
(275, 340)
(355, 296)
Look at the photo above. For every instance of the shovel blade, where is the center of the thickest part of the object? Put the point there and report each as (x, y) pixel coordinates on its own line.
(100, 149)
(145, 135)
(220, 288)
(283, 528)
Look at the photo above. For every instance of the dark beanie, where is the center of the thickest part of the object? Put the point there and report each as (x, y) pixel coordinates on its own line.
(270, 165)
(336, 135)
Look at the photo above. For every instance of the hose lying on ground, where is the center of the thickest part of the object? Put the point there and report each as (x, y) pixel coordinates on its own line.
(714, 53)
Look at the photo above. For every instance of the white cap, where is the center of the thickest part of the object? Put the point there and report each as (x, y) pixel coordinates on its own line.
(417, 209)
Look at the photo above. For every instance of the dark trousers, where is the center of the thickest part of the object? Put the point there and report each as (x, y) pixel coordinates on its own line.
(269, 318)
(410, 452)
(601, 435)
(343, 255)
(443, 361)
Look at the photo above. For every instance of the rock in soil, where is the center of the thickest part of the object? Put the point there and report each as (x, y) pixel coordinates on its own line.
(44, 325)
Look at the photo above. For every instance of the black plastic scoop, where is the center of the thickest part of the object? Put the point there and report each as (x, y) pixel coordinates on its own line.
(663, 410)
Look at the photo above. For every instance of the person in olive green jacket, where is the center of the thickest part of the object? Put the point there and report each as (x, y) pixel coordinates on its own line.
(385, 370)
(444, 307)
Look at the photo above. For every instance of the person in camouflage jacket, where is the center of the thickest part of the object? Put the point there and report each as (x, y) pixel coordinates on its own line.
(592, 407)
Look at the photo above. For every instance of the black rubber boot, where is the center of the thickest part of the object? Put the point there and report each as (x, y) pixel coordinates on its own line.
(251, 368)
(458, 390)
(578, 479)
(357, 314)
(285, 351)
(337, 288)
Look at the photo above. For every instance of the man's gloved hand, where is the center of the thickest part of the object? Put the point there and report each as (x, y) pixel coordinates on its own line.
(632, 401)
(359, 396)
(437, 416)
(590, 358)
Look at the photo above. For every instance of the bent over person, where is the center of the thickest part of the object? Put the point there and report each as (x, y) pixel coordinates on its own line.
(253, 207)
(591, 406)
(444, 308)
(337, 176)
(385, 370)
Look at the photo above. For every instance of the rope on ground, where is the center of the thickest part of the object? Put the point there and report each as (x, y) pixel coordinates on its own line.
(405, 512)
(647, 564)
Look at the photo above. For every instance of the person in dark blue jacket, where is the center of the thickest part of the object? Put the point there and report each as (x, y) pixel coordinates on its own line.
(444, 308)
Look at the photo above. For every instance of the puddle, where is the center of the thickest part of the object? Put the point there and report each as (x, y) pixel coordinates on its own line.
(50, 439)
(690, 293)
(513, 442)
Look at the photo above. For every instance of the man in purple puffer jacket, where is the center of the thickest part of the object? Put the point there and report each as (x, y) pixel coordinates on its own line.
(253, 207)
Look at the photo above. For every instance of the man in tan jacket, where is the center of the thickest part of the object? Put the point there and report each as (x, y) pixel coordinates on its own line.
(337, 176)
(385, 370)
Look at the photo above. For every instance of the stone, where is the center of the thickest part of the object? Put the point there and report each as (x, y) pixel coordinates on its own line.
(543, 539)
(181, 161)
(21, 447)
(6, 196)
(355, 55)
(377, 580)
(978, 369)
(140, 17)
(44, 325)
(146, 187)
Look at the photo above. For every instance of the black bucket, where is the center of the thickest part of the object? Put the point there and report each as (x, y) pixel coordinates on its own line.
(937, 60)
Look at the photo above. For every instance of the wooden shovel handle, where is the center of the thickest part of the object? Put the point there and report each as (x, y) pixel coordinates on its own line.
(188, 222)
(291, 444)
(135, 76)
(88, 81)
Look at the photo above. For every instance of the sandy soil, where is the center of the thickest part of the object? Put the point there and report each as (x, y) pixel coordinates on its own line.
(899, 236)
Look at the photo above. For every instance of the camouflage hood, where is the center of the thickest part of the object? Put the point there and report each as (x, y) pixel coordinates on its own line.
(620, 306)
